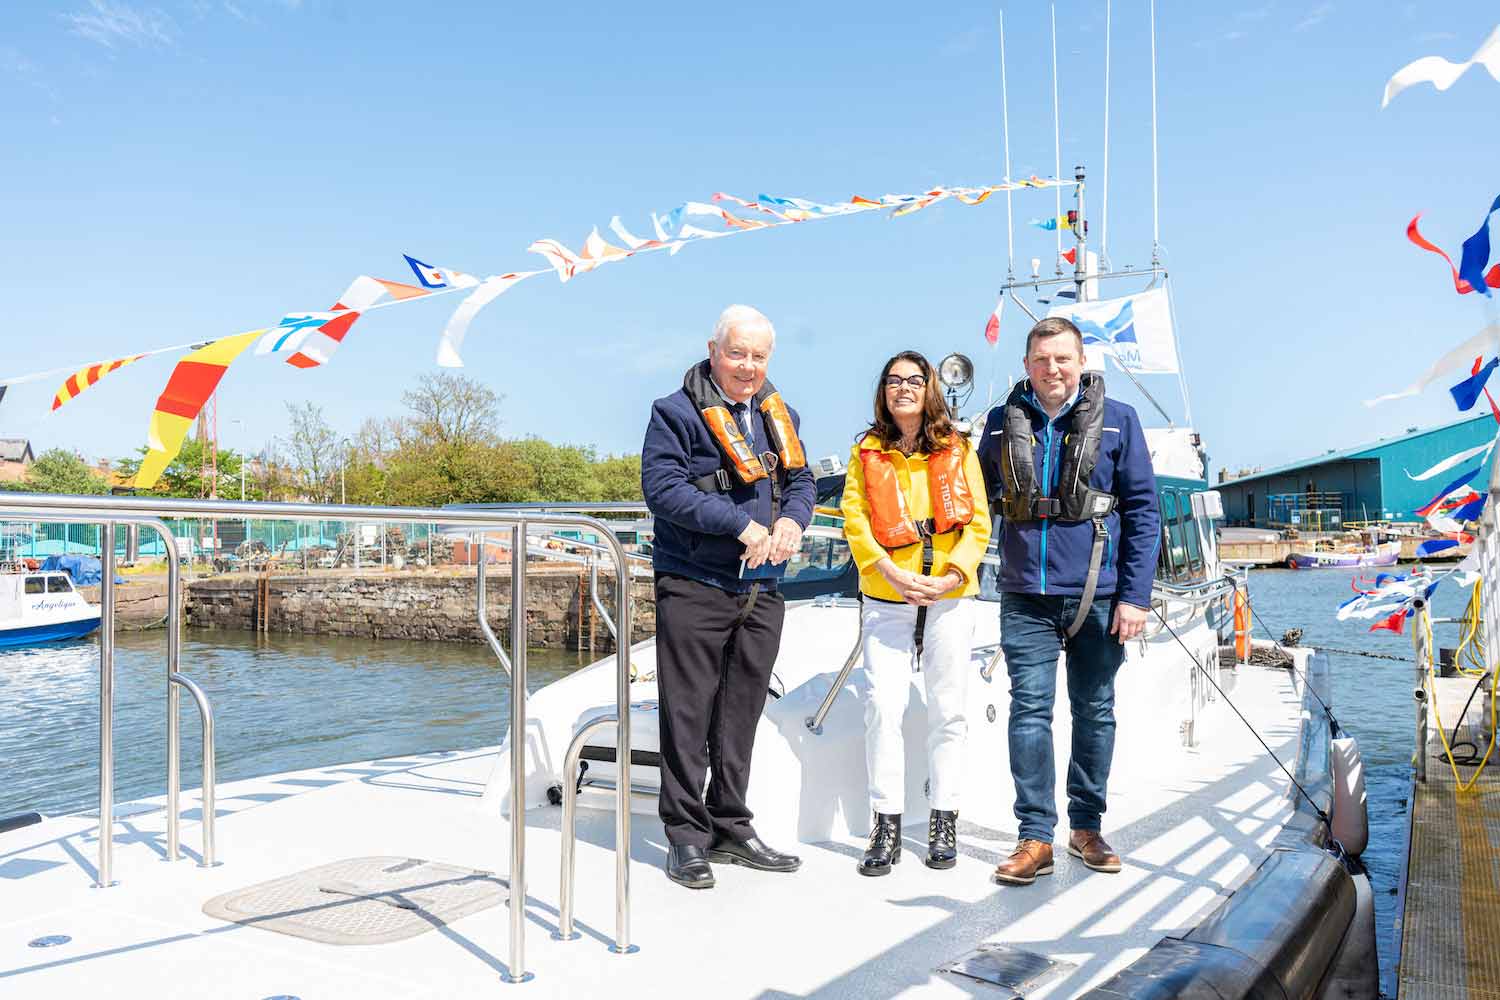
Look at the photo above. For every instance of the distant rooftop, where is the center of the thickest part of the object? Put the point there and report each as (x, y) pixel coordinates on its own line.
(15, 450)
(1359, 451)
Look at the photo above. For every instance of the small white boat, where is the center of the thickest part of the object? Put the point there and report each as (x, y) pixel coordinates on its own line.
(42, 607)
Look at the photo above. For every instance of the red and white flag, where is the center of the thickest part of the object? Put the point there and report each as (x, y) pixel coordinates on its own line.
(992, 328)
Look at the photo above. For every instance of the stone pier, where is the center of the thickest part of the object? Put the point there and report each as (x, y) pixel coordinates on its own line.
(427, 605)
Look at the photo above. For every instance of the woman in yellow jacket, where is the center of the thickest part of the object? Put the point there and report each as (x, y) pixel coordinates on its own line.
(917, 521)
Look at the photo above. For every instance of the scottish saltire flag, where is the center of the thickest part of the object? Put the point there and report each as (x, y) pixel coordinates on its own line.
(1466, 393)
(1134, 331)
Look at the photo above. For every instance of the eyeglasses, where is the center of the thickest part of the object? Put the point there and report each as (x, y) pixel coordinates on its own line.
(917, 381)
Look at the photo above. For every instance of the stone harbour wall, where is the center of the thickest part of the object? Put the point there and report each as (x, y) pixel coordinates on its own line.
(417, 605)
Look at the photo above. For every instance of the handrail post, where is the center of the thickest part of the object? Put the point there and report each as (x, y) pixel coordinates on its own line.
(482, 607)
(174, 664)
(571, 759)
(106, 706)
(1424, 658)
(609, 622)
(517, 972)
(815, 721)
(622, 945)
(208, 791)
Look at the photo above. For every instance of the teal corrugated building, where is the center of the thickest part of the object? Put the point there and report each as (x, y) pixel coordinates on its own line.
(1365, 483)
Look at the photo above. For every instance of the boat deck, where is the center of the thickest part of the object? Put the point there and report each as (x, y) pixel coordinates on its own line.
(1450, 940)
(1190, 827)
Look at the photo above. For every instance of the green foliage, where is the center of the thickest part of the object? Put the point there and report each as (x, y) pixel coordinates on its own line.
(446, 449)
(61, 471)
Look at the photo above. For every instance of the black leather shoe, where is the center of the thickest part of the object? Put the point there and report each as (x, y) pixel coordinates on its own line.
(752, 854)
(885, 845)
(942, 838)
(687, 866)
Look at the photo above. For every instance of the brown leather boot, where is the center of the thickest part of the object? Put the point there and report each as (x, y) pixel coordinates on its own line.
(1030, 859)
(1096, 854)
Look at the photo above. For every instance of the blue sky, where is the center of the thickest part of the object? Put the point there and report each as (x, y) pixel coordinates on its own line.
(183, 170)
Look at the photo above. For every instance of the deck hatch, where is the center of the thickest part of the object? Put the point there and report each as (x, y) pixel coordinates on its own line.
(1016, 971)
(362, 900)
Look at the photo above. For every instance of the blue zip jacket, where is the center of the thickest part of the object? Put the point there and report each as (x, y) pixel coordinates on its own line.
(696, 532)
(1052, 557)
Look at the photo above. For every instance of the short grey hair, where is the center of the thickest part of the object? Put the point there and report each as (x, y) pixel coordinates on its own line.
(736, 315)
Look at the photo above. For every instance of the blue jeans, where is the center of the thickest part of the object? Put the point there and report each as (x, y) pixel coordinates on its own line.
(1031, 633)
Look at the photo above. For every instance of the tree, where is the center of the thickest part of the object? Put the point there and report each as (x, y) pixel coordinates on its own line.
(450, 409)
(541, 470)
(315, 453)
(61, 471)
(183, 477)
(619, 478)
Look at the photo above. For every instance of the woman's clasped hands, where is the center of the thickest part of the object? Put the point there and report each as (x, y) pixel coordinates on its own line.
(916, 588)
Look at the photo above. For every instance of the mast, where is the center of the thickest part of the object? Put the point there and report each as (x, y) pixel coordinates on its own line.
(1080, 233)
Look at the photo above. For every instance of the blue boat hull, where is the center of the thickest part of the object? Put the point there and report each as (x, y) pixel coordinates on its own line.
(32, 635)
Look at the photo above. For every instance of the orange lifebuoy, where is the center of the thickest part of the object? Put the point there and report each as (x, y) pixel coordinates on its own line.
(1241, 626)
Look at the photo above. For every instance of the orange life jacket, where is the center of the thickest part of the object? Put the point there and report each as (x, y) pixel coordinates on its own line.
(947, 490)
(739, 459)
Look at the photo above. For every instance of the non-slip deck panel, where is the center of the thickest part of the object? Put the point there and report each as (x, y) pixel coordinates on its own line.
(1450, 948)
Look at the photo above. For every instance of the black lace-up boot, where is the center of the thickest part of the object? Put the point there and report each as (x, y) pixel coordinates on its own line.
(942, 838)
(885, 845)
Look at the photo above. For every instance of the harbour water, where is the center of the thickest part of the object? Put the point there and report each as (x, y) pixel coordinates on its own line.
(289, 702)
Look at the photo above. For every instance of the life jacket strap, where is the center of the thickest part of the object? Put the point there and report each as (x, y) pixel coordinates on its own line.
(717, 481)
(1096, 559)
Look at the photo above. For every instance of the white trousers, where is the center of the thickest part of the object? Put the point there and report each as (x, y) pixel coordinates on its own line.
(888, 646)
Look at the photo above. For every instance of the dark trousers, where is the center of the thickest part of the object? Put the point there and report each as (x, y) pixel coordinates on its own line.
(1032, 634)
(711, 676)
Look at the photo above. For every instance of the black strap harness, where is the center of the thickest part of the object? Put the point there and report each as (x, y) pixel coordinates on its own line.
(1024, 499)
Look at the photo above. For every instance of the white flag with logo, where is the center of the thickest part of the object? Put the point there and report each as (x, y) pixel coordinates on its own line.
(1136, 331)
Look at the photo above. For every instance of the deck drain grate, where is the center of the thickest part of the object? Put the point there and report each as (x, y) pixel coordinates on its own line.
(1013, 970)
(362, 900)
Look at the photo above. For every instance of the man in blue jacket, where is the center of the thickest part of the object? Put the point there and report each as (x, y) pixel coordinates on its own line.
(725, 476)
(1070, 473)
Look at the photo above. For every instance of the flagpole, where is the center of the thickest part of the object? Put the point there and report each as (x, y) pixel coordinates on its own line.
(1057, 138)
(1010, 226)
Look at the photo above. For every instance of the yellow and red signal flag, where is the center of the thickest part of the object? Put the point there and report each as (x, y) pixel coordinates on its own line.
(86, 376)
(188, 388)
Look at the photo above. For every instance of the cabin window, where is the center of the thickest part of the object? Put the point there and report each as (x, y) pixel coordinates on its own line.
(819, 558)
(35, 585)
(58, 585)
(1172, 560)
(1190, 533)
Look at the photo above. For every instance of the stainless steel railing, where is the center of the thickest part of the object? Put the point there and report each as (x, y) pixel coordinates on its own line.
(175, 679)
(114, 510)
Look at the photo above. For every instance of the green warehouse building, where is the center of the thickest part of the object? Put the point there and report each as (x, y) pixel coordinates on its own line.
(1368, 483)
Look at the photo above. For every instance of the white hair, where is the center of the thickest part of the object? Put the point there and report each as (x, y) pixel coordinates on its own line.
(738, 315)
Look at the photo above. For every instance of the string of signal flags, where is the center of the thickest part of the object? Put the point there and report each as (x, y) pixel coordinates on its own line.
(311, 339)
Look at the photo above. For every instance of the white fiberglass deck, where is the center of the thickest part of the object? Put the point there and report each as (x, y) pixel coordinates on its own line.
(1189, 824)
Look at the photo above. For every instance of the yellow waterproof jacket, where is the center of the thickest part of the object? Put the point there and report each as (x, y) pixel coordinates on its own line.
(960, 550)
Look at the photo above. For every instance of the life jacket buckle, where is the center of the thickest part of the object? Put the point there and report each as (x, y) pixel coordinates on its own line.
(1048, 507)
(721, 475)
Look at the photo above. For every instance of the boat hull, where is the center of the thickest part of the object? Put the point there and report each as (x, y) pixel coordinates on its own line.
(32, 635)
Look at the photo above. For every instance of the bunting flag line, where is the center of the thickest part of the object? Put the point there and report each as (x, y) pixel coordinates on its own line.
(488, 291)
(1433, 546)
(188, 388)
(1442, 73)
(316, 345)
(430, 277)
(1476, 253)
(1053, 224)
(1453, 491)
(1395, 623)
(672, 233)
(1466, 393)
(85, 378)
(1486, 341)
(1457, 458)
(1460, 285)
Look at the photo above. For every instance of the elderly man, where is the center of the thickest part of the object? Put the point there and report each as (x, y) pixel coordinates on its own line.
(1072, 477)
(724, 473)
